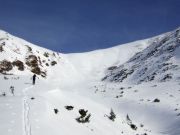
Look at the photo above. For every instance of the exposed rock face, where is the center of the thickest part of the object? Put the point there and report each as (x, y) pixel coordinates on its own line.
(32, 62)
(18, 64)
(5, 66)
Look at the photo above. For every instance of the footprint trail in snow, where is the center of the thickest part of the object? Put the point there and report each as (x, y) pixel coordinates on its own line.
(26, 109)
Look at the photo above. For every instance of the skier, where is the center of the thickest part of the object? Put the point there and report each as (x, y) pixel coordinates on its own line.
(12, 90)
(34, 79)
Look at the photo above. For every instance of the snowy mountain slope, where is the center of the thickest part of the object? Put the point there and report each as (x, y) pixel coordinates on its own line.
(58, 102)
(16, 53)
(78, 67)
(20, 54)
(157, 62)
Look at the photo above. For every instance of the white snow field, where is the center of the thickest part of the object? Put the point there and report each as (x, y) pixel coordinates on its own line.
(131, 89)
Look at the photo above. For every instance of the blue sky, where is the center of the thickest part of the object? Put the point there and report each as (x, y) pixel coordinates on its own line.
(84, 25)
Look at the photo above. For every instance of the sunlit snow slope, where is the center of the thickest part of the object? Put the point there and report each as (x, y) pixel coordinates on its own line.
(103, 92)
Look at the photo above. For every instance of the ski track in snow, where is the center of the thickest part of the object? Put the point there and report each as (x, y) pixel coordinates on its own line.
(26, 109)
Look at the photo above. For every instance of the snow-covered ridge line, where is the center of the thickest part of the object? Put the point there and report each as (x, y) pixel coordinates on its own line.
(29, 58)
(156, 62)
(18, 56)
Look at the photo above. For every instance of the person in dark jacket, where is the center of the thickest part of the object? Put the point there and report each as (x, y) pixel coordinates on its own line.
(12, 90)
(34, 79)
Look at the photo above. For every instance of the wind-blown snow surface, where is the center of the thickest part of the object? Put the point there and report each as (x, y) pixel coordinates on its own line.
(76, 81)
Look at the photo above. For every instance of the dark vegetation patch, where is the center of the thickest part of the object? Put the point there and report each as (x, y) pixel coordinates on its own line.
(32, 98)
(166, 77)
(96, 89)
(29, 48)
(123, 74)
(39, 59)
(149, 78)
(121, 92)
(135, 90)
(119, 96)
(69, 107)
(156, 100)
(3, 94)
(112, 115)
(129, 122)
(54, 54)
(133, 126)
(1, 48)
(53, 63)
(176, 109)
(56, 110)
(6, 78)
(154, 85)
(46, 54)
(43, 74)
(112, 67)
(84, 117)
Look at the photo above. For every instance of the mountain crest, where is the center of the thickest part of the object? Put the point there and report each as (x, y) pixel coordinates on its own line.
(156, 62)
